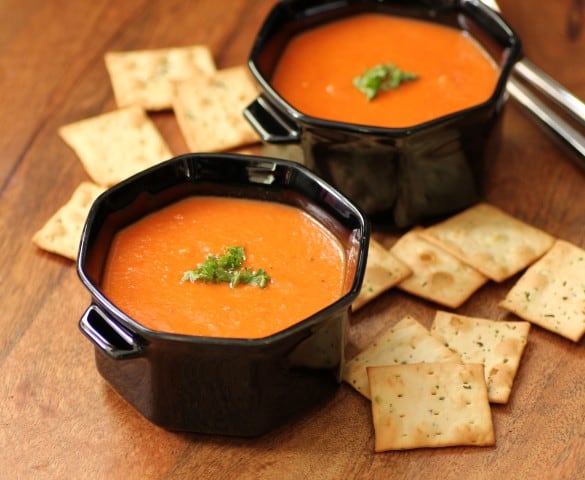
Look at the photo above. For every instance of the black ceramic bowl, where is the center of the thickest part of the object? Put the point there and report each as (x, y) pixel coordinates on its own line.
(224, 386)
(399, 176)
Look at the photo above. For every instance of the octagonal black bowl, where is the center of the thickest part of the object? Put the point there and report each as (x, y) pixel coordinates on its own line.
(398, 176)
(241, 387)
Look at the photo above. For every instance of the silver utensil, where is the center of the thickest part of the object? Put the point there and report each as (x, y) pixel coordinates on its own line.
(562, 131)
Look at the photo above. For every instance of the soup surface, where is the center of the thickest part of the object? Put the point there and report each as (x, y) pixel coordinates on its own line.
(147, 260)
(316, 70)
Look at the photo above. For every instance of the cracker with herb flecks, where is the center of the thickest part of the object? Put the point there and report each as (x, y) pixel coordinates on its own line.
(490, 240)
(145, 77)
(406, 342)
(551, 293)
(62, 232)
(115, 145)
(498, 345)
(209, 110)
(437, 275)
(383, 271)
(430, 405)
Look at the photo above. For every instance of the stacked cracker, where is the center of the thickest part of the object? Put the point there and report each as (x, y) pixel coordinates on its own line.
(422, 396)
(434, 388)
(207, 104)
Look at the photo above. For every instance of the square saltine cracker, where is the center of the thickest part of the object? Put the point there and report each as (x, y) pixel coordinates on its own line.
(551, 293)
(115, 145)
(61, 234)
(430, 405)
(498, 345)
(210, 110)
(145, 77)
(437, 275)
(490, 240)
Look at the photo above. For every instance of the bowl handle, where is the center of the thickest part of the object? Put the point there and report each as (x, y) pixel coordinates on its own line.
(110, 337)
(270, 124)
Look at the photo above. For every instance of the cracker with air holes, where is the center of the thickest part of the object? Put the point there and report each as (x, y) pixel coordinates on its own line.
(551, 293)
(490, 240)
(496, 344)
(383, 271)
(430, 405)
(437, 275)
(408, 341)
(145, 77)
(115, 145)
(61, 234)
(209, 110)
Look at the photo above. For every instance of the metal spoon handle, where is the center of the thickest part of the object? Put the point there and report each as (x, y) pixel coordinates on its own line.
(570, 138)
(553, 90)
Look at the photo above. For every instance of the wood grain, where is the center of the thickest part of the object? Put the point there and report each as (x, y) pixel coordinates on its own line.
(58, 418)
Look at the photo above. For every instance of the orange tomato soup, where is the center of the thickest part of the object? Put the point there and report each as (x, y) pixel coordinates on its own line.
(147, 260)
(316, 70)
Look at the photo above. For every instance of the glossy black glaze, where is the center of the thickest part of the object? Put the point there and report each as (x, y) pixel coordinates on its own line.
(399, 176)
(211, 385)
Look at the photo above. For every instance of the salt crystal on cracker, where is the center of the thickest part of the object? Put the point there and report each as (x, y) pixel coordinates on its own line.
(115, 145)
(551, 293)
(490, 240)
(145, 77)
(430, 405)
(437, 275)
(498, 345)
(406, 342)
(61, 234)
(383, 271)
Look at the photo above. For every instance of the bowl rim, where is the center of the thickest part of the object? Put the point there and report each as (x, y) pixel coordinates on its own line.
(133, 327)
(471, 8)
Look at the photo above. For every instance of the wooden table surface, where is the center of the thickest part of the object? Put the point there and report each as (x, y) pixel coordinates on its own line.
(59, 419)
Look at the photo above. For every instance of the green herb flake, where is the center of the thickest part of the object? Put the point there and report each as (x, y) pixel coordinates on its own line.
(227, 268)
(381, 78)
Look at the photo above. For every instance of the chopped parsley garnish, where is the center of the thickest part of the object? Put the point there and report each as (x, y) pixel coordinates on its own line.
(227, 268)
(381, 78)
